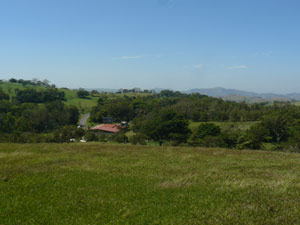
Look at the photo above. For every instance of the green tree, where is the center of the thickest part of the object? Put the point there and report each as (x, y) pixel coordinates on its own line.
(81, 93)
(4, 96)
(277, 124)
(165, 125)
(207, 129)
(204, 133)
(254, 137)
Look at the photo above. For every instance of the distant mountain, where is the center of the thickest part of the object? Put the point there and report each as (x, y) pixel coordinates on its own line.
(239, 95)
(157, 90)
(228, 94)
(221, 92)
(295, 96)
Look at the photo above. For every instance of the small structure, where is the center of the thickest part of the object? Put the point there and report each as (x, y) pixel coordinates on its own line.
(107, 128)
(124, 125)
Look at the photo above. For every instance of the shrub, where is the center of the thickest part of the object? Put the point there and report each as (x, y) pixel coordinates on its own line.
(90, 136)
(213, 142)
(120, 138)
(4, 96)
(103, 138)
(138, 139)
(81, 93)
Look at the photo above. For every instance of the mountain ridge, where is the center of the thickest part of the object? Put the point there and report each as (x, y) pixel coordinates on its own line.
(223, 92)
(229, 94)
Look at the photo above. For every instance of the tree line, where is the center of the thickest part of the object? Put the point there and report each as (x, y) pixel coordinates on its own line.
(41, 115)
(165, 118)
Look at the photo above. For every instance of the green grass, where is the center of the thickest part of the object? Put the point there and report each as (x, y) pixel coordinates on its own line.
(123, 184)
(11, 87)
(297, 103)
(225, 125)
(84, 105)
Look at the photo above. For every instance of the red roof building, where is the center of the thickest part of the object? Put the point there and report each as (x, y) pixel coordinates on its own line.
(110, 128)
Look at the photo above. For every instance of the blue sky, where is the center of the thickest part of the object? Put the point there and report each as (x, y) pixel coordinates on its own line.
(180, 44)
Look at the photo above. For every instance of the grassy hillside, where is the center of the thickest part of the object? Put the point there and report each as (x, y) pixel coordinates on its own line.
(11, 87)
(122, 184)
(297, 103)
(71, 95)
(84, 105)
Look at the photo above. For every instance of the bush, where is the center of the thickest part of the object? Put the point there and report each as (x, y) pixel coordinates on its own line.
(138, 139)
(213, 142)
(13, 80)
(206, 130)
(200, 117)
(120, 138)
(103, 138)
(4, 96)
(90, 136)
(81, 93)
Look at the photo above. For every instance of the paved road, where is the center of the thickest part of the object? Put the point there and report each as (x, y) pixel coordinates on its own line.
(83, 120)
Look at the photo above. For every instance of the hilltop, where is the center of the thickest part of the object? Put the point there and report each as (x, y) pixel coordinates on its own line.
(84, 104)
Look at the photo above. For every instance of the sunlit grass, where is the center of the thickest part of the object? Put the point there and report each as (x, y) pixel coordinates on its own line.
(123, 184)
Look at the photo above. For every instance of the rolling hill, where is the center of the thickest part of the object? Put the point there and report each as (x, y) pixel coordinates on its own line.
(239, 95)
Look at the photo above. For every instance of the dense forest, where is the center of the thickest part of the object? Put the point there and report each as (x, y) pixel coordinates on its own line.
(39, 113)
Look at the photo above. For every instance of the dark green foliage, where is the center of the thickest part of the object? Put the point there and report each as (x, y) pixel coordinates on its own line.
(212, 142)
(22, 137)
(138, 139)
(169, 93)
(207, 135)
(200, 117)
(13, 80)
(119, 138)
(255, 136)
(207, 129)
(94, 93)
(28, 117)
(4, 96)
(277, 124)
(230, 137)
(121, 109)
(33, 82)
(102, 138)
(165, 125)
(31, 95)
(65, 134)
(81, 93)
(91, 136)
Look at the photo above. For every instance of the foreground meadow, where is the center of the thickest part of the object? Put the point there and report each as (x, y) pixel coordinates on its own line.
(124, 184)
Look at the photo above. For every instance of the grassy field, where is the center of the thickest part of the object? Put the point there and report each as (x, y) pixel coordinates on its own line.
(297, 103)
(124, 184)
(84, 105)
(11, 87)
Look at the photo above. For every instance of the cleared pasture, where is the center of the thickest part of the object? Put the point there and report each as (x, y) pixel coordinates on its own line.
(123, 184)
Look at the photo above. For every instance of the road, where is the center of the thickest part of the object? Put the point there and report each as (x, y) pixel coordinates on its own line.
(84, 119)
